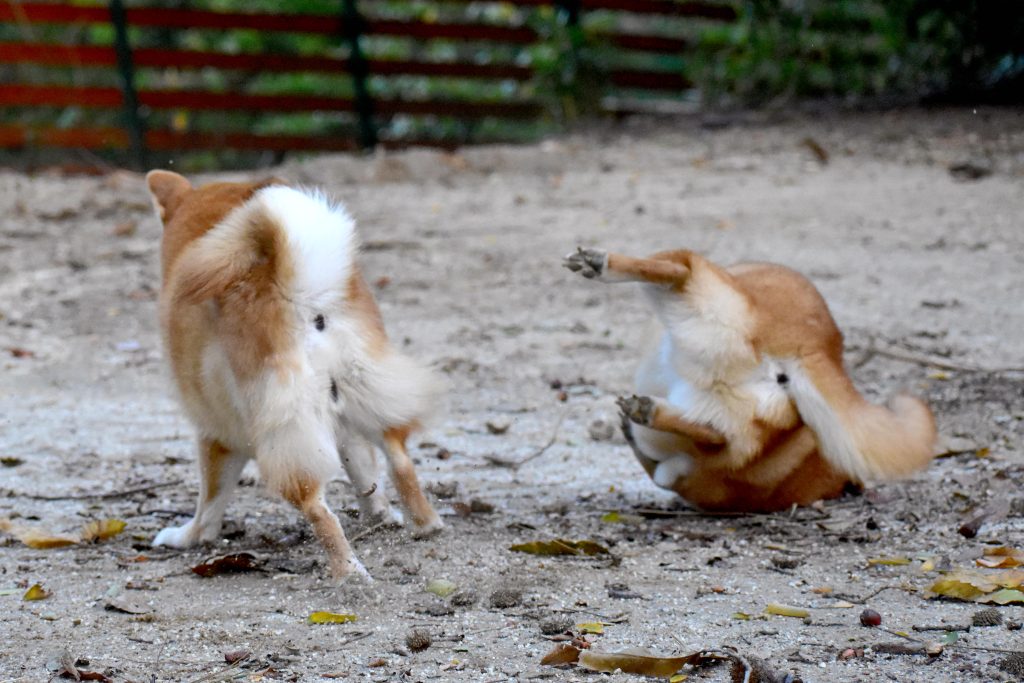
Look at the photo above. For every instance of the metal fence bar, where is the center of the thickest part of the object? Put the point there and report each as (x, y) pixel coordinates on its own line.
(352, 26)
(126, 70)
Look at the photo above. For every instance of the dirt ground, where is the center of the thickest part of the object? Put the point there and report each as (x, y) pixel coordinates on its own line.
(923, 268)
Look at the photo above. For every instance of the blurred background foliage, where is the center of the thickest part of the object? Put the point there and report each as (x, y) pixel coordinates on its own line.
(775, 52)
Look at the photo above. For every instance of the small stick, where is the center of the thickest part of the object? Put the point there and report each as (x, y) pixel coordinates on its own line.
(102, 496)
(516, 464)
(366, 532)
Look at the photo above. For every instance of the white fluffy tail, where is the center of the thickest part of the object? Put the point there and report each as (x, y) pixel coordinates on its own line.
(867, 441)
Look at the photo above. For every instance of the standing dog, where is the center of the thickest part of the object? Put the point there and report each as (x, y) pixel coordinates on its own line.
(745, 404)
(279, 355)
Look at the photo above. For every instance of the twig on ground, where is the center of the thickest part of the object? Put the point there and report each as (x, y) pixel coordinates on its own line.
(516, 464)
(861, 600)
(871, 351)
(366, 532)
(102, 496)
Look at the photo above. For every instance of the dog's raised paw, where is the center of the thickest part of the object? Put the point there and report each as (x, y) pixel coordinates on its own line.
(638, 409)
(589, 263)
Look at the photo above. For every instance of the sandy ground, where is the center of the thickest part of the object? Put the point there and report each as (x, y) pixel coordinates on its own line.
(464, 255)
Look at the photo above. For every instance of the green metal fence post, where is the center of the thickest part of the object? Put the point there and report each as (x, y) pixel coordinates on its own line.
(126, 69)
(352, 26)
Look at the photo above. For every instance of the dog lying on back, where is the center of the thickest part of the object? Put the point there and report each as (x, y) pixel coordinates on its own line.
(279, 355)
(744, 403)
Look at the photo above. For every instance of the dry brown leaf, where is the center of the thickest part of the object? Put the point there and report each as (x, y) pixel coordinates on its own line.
(1003, 557)
(560, 546)
(228, 564)
(564, 653)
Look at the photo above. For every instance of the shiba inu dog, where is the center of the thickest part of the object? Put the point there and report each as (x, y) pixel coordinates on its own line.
(279, 355)
(743, 403)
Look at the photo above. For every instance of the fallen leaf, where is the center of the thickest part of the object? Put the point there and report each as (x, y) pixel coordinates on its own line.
(36, 592)
(742, 616)
(678, 678)
(19, 352)
(441, 587)
(34, 537)
(642, 663)
(236, 656)
(980, 586)
(1002, 557)
(10, 461)
(125, 229)
(228, 564)
(595, 627)
(894, 561)
(124, 606)
(621, 518)
(786, 610)
(331, 618)
(563, 653)
(560, 547)
(102, 530)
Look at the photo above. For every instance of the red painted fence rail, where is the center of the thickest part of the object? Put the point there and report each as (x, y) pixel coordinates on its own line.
(27, 51)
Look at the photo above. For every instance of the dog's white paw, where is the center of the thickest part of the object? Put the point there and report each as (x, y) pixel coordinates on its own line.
(176, 536)
(431, 528)
(388, 516)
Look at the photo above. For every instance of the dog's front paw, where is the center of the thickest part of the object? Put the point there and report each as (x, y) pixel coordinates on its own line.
(638, 409)
(176, 536)
(348, 569)
(589, 263)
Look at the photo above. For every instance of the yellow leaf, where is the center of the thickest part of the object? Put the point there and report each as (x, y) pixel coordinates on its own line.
(441, 587)
(102, 530)
(636, 663)
(928, 566)
(591, 627)
(35, 538)
(678, 678)
(1004, 597)
(36, 592)
(331, 618)
(889, 560)
(786, 610)
(742, 616)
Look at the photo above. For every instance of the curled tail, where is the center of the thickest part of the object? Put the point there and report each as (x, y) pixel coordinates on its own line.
(864, 440)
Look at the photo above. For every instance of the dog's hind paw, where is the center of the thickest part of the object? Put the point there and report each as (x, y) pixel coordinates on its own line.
(590, 263)
(430, 528)
(638, 409)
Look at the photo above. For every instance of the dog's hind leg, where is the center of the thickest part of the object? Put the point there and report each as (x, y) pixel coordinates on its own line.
(658, 414)
(359, 458)
(417, 507)
(597, 264)
(307, 495)
(219, 469)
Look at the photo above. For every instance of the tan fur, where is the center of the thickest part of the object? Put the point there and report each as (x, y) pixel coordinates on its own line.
(732, 440)
(239, 341)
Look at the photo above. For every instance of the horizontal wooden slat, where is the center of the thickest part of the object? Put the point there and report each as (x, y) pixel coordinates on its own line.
(89, 55)
(640, 43)
(323, 24)
(105, 138)
(13, 137)
(703, 10)
(649, 80)
(58, 96)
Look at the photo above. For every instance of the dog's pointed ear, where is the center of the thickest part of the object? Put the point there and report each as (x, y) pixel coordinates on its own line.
(167, 189)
